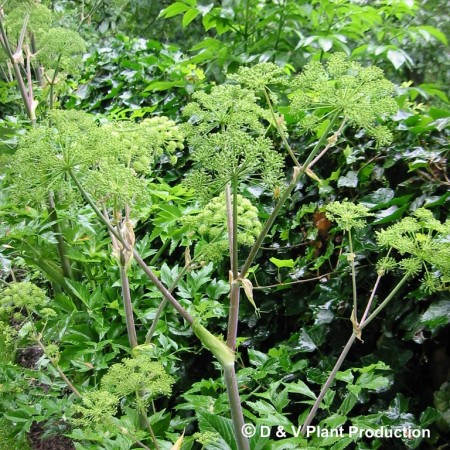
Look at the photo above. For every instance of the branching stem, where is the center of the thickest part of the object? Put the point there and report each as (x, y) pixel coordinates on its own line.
(345, 351)
(351, 259)
(136, 255)
(279, 129)
(298, 173)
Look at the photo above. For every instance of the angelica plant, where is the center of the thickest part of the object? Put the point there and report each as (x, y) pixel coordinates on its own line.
(228, 148)
(423, 244)
(139, 377)
(75, 157)
(29, 42)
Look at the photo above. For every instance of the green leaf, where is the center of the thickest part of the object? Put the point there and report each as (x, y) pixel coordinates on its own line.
(373, 382)
(282, 262)
(257, 358)
(163, 85)
(301, 388)
(397, 58)
(437, 34)
(348, 180)
(437, 314)
(325, 44)
(189, 16)
(433, 90)
(389, 215)
(174, 9)
(429, 416)
(348, 403)
(221, 425)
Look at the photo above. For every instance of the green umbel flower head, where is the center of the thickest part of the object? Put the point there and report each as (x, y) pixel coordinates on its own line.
(61, 49)
(40, 19)
(140, 143)
(348, 215)
(226, 134)
(344, 87)
(71, 141)
(96, 411)
(106, 159)
(139, 374)
(211, 226)
(24, 295)
(426, 242)
(260, 76)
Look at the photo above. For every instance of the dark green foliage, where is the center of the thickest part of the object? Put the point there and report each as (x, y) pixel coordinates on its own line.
(376, 204)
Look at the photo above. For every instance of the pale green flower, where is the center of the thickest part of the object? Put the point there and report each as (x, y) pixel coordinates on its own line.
(344, 87)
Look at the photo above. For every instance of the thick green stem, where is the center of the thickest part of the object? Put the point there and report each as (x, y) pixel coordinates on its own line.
(298, 172)
(159, 252)
(128, 307)
(372, 296)
(144, 419)
(52, 82)
(233, 315)
(61, 245)
(38, 70)
(136, 255)
(235, 406)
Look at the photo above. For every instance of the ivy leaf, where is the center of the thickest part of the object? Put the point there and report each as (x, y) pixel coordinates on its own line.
(348, 180)
(437, 314)
(301, 388)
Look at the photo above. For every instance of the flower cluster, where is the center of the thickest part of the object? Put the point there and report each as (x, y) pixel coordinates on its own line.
(61, 49)
(139, 374)
(348, 215)
(96, 409)
(211, 226)
(427, 242)
(260, 76)
(360, 94)
(140, 143)
(22, 295)
(226, 134)
(107, 159)
(140, 377)
(57, 48)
